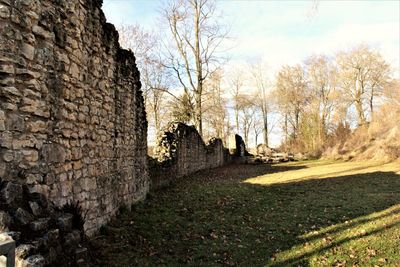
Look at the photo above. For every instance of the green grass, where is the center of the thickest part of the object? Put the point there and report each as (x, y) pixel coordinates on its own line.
(315, 213)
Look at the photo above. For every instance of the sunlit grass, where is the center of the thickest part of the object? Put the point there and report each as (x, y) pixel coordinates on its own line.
(314, 213)
(323, 169)
(371, 240)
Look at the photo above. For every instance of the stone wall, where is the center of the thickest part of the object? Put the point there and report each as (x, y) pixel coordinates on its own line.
(181, 151)
(72, 118)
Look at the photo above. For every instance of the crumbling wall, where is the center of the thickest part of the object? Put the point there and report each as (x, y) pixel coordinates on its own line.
(181, 151)
(72, 118)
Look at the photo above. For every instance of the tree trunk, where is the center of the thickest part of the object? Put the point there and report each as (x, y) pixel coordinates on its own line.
(286, 130)
(265, 129)
(371, 102)
(360, 112)
(198, 115)
(237, 119)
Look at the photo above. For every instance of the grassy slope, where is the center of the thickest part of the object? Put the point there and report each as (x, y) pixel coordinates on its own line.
(316, 213)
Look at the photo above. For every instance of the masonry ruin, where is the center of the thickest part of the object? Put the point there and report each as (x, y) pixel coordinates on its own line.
(181, 151)
(73, 130)
(72, 118)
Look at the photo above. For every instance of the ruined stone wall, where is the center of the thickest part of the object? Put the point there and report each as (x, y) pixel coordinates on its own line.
(72, 119)
(182, 151)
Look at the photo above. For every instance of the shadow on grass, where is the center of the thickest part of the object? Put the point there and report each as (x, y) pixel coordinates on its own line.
(214, 219)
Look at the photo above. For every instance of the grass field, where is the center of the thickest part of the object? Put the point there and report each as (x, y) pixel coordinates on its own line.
(314, 213)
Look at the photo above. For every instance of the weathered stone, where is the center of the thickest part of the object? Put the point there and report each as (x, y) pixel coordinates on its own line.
(53, 153)
(5, 221)
(7, 68)
(35, 261)
(10, 91)
(24, 250)
(14, 235)
(40, 224)
(4, 11)
(28, 51)
(52, 236)
(6, 139)
(42, 32)
(34, 178)
(35, 208)
(8, 155)
(40, 199)
(37, 126)
(64, 222)
(72, 123)
(12, 194)
(2, 121)
(23, 217)
(15, 123)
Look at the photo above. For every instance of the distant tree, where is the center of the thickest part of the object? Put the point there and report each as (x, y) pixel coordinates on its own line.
(235, 83)
(263, 100)
(247, 111)
(292, 96)
(216, 115)
(322, 82)
(155, 77)
(363, 75)
(196, 37)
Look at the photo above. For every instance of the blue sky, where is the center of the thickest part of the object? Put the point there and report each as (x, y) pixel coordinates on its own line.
(287, 32)
(283, 32)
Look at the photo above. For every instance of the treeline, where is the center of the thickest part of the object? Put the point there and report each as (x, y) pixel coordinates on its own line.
(314, 103)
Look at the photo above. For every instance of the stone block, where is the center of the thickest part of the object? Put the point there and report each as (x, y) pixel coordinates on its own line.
(15, 122)
(5, 11)
(40, 224)
(28, 51)
(12, 194)
(24, 250)
(23, 217)
(37, 126)
(52, 236)
(35, 261)
(5, 221)
(35, 208)
(53, 153)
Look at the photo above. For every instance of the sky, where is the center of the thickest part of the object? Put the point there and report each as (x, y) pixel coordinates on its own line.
(287, 32)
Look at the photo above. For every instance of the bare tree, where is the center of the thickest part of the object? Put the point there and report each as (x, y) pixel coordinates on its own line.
(363, 74)
(292, 95)
(196, 38)
(236, 82)
(258, 72)
(216, 115)
(322, 82)
(246, 115)
(154, 75)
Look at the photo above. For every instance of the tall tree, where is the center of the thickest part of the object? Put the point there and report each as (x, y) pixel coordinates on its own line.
(214, 106)
(258, 72)
(196, 37)
(236, 82)
(363, 75)
(292, 96)
(247, 109)
(322, 82)
(155, 76)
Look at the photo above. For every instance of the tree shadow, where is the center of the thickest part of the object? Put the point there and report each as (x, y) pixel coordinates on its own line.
(212, 218)
(348, 200)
